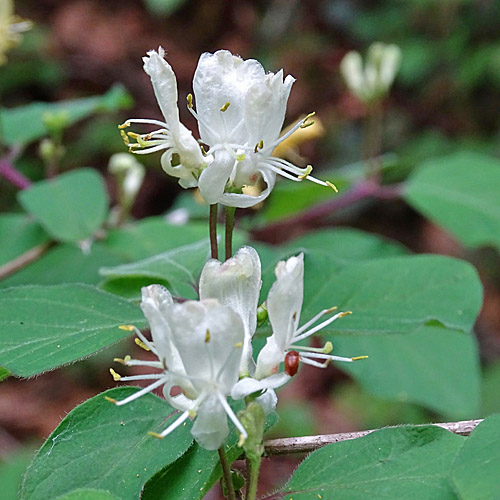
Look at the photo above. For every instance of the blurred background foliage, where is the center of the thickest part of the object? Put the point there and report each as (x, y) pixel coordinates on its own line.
(87, 53)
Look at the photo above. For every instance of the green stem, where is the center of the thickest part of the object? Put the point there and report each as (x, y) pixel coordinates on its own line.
(226, 474)
(253, 466)
(213, 231)
(230, 211)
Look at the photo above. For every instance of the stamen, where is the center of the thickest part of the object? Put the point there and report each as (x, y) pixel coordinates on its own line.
(357, 358)
(111, 400)
(307, 361)
(233, 418)
(145, 341)
(189, 99)
(312, 331)
(184, 416)
(124, 125)
(141, 344)
(313, 320)
(144, 120)
(238, 344)
(151, 376)
(207, 336)
(123, 361)
(143, 391)
(240, 157)
(330, 357)
(326, 349)
(224, 108)
(333, 186)
(127, 328)
(125, 138)
(116, 376)
(309, 169)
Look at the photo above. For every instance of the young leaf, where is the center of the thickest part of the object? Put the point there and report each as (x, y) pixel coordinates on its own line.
(101, 446)
(476, 471)
(405, 462)
(42, 328)
(461, 193)
(70, 207)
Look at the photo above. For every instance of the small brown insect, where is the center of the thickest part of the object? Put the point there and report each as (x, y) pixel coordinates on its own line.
(292, 362)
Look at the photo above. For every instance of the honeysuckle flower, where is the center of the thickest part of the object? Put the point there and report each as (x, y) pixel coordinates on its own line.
(11, 27)
(236, 283)
(182, 157)
(373, 81)
(284, 304)
(240, 111)
(199, 346)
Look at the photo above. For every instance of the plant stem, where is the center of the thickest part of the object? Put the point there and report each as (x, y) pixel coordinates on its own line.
(230, 211)
(23, 260)
(253, 467)
(226, 474)
(213, 231)
(10, 173)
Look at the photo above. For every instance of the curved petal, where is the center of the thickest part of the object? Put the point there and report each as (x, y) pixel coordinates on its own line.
(351, 68)
(269, 358)
(284, 302)
(210, 428)
(164, 86)
(214, 178)
(247, 386)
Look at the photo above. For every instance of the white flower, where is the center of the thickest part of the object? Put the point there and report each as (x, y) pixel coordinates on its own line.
(240, 111)
(183, 157)
(199, 346)
(236, 283)
(284, 304)
(374, 80)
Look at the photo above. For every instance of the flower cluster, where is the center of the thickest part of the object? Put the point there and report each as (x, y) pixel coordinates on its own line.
(240, 112)
(204, 347)
(372, 81)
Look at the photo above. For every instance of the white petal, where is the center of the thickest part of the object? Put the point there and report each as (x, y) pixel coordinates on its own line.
(269, 358)
(214, 178)
(209, 338)
(247, 385)
(268, 401)
(351, 68)
(164, 86)
(210, 428)
(284, 302)
(389, 66)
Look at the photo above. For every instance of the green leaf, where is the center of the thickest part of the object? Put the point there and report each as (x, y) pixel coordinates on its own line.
(19, 234)
(42, 328)
(405, 462)
(461, 193)
(70, 207)
(88, 494)
(412, 316)
(190, 477)
(490, 393)
(179, 268)
(475, 473)
(4, 373)
(25, 124)
(11, 472)
(65, 263)
(101, 446)
(151, 236)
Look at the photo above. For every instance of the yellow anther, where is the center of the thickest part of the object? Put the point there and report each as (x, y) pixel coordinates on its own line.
(192, 413)
(256, 148)
(328, 311)
(141, 344)
(357, 358)
(133, 135)
(242, 440)
(309, 169)
(240, 157)
(332, 185)
(156, 435)
(328, 348)
(224, 108)
(124, 137)
(238, 344)
(207, 336)
(261, 144)
(203, 150)
(294, 316)
(111, 400)
(124, 125)
(305, 123)
(116, 376)
(127, 328)
(189, 99)
(345, 313)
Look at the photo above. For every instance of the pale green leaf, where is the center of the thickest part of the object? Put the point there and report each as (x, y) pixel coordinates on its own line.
(70, 207)
(42, 328)
(476, 471)
(405, 462)
(460, 192)
(102, 446)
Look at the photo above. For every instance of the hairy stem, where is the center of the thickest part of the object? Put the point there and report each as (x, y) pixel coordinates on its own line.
(213, 231)
(226, 474)
(230, 211)
(23, 260)
(307, 444)
(253, 466)
(11, 174)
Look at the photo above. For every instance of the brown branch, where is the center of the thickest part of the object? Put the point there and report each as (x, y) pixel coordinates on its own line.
(24, 259)
(307, 444)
